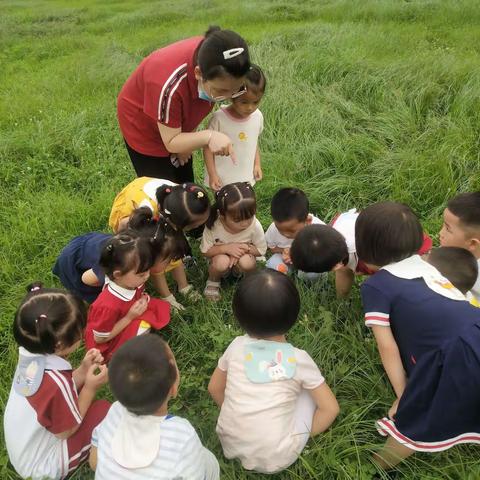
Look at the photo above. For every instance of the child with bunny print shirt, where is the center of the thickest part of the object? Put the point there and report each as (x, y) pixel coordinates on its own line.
(272, 396)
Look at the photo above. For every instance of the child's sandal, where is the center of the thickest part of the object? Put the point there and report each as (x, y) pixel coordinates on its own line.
(190, 293)
(212, 291)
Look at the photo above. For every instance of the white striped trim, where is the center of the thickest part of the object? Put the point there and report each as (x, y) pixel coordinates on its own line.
(377, 318)
(385, 427)
(165, 85)
(167, 118)
(66, 392)
(80, 453)
(101, 334)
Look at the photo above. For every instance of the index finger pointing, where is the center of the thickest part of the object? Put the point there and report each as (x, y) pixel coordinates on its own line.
(231, 152)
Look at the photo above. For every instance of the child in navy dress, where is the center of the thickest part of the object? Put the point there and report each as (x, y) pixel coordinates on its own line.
(51, 411)
(78, 266)
(427, 334)
(123, 310)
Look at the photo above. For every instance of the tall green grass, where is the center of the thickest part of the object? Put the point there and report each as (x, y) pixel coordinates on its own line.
(366, 100)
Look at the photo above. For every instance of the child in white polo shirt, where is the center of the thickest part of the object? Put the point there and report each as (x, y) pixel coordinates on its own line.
(242, 121)
(50, 413)
(138, 439)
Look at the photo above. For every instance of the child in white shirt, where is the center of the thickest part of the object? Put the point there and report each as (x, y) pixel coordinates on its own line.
(243, 123)
(272, 395)
(138, 438)
(233, 238)
(290, 214)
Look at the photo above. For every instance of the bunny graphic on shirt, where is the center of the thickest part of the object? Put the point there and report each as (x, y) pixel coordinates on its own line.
(275, 369)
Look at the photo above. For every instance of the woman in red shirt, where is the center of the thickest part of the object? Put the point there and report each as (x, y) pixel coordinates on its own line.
(171, 92)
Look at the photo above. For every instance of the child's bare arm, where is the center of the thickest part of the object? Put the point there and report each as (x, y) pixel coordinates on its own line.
(93, 382)
(391, 360)
(92, 459)
(344, 281)
(216, 387)
(257, 166)
(136, 309)
(327, 408)
(89, 278)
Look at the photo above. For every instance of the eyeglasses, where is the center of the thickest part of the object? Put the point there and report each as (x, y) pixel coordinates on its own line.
(220, 98)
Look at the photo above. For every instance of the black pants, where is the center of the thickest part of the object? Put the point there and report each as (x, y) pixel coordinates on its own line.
(160, 167)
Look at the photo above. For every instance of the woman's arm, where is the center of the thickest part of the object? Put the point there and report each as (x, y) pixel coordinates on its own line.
(216, 386)
(176, 141)
(391, 360)
(214, 180)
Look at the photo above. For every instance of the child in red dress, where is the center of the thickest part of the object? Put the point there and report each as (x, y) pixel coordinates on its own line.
(123, 310)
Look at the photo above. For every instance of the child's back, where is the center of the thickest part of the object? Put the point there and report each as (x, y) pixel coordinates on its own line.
(168, 445)
(257, 421)
(139, 439)
(272, 395)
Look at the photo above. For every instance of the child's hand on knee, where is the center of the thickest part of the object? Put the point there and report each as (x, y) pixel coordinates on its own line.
(236, 250)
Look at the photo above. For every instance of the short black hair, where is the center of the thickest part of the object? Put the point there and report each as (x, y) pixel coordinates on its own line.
(266, 303)
(141, 373)
(457, 265)
(387, 232)
(466, 207)
(213, 62)
(318, 248)
(256, 80)
(288, 204)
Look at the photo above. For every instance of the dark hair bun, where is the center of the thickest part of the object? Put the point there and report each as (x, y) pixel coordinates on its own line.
(212, 29)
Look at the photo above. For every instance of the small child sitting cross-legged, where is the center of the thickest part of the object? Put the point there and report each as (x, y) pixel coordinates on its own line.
(272, 396)
(139, 439)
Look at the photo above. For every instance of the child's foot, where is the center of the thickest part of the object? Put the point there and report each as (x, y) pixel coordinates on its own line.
(173, 302)
(190, 293)
(212, 291)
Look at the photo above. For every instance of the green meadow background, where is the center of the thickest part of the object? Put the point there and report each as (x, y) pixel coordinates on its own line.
(366, 100)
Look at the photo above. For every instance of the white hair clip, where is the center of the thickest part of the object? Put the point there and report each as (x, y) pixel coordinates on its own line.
(233, 52)
(168, 212)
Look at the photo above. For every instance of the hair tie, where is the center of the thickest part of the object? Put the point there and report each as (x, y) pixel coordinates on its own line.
(109, 247)
(168, 190)
(233, 52)
(35, 288)
(42, 316)
(184, 186)
(192, 188)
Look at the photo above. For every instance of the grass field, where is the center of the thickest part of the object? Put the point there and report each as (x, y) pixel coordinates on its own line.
(367, 100)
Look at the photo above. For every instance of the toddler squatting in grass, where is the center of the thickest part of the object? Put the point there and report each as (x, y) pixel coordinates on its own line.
(272, 396)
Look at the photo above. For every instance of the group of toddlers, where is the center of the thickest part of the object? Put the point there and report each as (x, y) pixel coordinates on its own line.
(419, 302)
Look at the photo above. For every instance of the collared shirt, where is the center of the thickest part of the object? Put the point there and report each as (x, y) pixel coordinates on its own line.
(163, 89)
(32, 423)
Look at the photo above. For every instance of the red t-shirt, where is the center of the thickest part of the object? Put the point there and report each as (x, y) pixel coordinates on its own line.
(162, 89)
